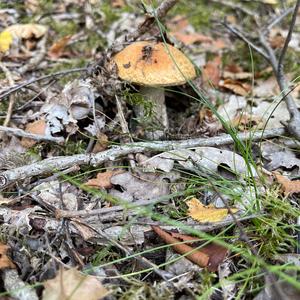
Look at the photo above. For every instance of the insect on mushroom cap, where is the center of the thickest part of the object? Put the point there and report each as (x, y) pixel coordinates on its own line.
(154, 64)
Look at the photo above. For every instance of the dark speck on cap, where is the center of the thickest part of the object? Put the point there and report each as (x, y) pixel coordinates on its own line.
(127, 66)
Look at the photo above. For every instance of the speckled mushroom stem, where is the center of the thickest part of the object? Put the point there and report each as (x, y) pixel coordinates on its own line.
(157, 96)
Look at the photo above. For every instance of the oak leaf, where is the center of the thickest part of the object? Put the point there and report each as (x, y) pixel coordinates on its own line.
(209, 213)
(72, 284)
(103, 179)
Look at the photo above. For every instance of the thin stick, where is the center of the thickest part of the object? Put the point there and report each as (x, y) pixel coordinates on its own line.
(243, 37)
(125, 130)
(160, 12)
(11, 98)
(36, 137)
(279, 19)
(11, 90)
(54, 164)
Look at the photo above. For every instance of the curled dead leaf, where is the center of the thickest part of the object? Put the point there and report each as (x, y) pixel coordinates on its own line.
(235, 86)
(195, 256)
(209, 256)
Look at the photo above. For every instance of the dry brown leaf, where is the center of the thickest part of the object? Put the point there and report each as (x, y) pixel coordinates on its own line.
(287, 186)
(57, 49)
(85, 231)
(5, 261)
(103, 179)
(235, 86)
(212, 71)
(233, 68)
(191, 38)
(277, 41)
(32, 5)
(178, 24)
(184, 237)
(72, 284)
(209, 213)
(117, 3)
(246, 121)
(237, 75)
(27, 31)
(101, 144)
(36, 127)
(196, 256)
(215, 253)
(218, 44)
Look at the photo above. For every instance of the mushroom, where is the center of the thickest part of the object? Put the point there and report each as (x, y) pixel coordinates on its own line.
(154, 66)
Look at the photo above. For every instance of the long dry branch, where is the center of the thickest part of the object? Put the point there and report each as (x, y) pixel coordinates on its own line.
(55, 164)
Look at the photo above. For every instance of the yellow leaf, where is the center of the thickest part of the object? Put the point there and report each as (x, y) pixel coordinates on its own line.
(72, 284)
(209, 213)
(5, 41)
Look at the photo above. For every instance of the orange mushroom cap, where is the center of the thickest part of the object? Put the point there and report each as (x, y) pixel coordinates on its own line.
(154, 64)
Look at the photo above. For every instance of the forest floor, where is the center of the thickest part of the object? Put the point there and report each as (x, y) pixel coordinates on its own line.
(107, 193)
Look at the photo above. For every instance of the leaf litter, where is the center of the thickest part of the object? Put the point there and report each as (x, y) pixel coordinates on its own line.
(65, 221)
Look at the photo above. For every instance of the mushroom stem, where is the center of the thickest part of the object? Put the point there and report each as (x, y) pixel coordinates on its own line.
(157, 96)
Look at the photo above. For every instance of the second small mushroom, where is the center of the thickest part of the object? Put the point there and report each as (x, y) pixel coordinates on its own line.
(154, 66)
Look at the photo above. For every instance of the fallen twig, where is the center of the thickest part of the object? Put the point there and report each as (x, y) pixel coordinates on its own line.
(36, 137)
(160, 12)
(55, 164)
(11, 90)
(11, 98)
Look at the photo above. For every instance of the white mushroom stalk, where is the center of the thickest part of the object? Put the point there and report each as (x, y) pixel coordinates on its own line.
(154, 66)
